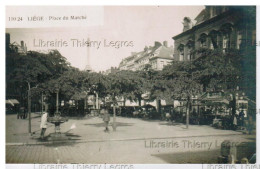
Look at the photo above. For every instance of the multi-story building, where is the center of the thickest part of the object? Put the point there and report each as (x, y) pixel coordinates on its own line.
(15, 47)
(216, 27)
(222, 28)
(156, 56)
(111, 70)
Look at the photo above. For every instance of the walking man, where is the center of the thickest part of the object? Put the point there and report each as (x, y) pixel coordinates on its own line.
(43, 125)
(106, 119)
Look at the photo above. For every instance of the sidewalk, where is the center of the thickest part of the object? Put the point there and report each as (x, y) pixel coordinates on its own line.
(91, 129)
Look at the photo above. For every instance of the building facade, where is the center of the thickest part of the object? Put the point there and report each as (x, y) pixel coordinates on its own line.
(223, 28)
(111, 70)
(156, 56)
(15, 47)
(215, 27)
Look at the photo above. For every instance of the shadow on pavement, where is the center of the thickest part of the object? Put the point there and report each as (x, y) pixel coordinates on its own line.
(61, 143)
(171, 124)
(198, 157)
(80, 117)
(150, 120)
(118, 124)
(66, 140)
(35, 117)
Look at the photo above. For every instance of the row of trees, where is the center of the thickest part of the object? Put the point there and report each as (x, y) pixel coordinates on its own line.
(36, 73)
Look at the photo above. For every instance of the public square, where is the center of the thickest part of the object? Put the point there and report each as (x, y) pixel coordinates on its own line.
(134, 141)
(128, 89)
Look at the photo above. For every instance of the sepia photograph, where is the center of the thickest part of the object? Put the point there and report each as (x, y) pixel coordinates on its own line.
(90, 85)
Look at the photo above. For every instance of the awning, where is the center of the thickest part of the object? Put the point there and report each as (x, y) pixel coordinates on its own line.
(12, 102)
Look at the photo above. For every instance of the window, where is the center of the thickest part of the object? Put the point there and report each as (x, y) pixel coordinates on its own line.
(181, 52)
(213, 35)
(226, 42)
(239, 39)
(190, 47)
(203, 40)
(226, 31)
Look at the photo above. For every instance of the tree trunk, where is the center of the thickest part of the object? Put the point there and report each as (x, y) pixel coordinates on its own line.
(124, 101)
(114, 117)
(188, 113)
(158, 105)
(97, 104)
(114, 114)
(42, 103)
(57, 102)
(234, 105)
(29, 107)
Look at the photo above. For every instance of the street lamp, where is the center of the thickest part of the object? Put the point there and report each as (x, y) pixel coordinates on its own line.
(57, 98)
(96, 93)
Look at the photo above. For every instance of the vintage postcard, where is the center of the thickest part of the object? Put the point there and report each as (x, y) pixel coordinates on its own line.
(122, 85)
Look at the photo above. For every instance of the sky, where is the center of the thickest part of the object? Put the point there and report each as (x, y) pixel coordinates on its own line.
(133, 27)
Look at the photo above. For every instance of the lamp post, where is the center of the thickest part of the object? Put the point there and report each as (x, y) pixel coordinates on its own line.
(57, 99)
(96, 95)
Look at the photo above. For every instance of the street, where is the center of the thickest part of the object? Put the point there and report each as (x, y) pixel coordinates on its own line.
(135, 141)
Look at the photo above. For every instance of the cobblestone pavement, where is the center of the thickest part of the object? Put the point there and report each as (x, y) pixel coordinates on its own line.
(135, 141)
(92, 129)
(180, 150)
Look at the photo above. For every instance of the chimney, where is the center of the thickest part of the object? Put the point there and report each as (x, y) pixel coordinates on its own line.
(165, 43)
(186, 24)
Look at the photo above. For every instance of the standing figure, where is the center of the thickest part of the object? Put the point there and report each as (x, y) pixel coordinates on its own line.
(20, 113)
(235, 122)
(106, 119)
(43, 125)
(242, 118)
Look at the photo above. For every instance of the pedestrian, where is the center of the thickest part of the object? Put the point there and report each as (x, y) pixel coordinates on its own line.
(20, 112)
(242, 118)
(43, 125)
(106, 118)
(235, 122)
(102, 111)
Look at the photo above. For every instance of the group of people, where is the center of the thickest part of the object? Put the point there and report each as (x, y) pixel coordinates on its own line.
(239, 121)
(22, 113)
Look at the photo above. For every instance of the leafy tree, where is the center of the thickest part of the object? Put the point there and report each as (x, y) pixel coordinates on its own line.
(180, 83)
(217, 70)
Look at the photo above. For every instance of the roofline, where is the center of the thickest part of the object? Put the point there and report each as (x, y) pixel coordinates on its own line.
(160, 58)
(222, 15)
